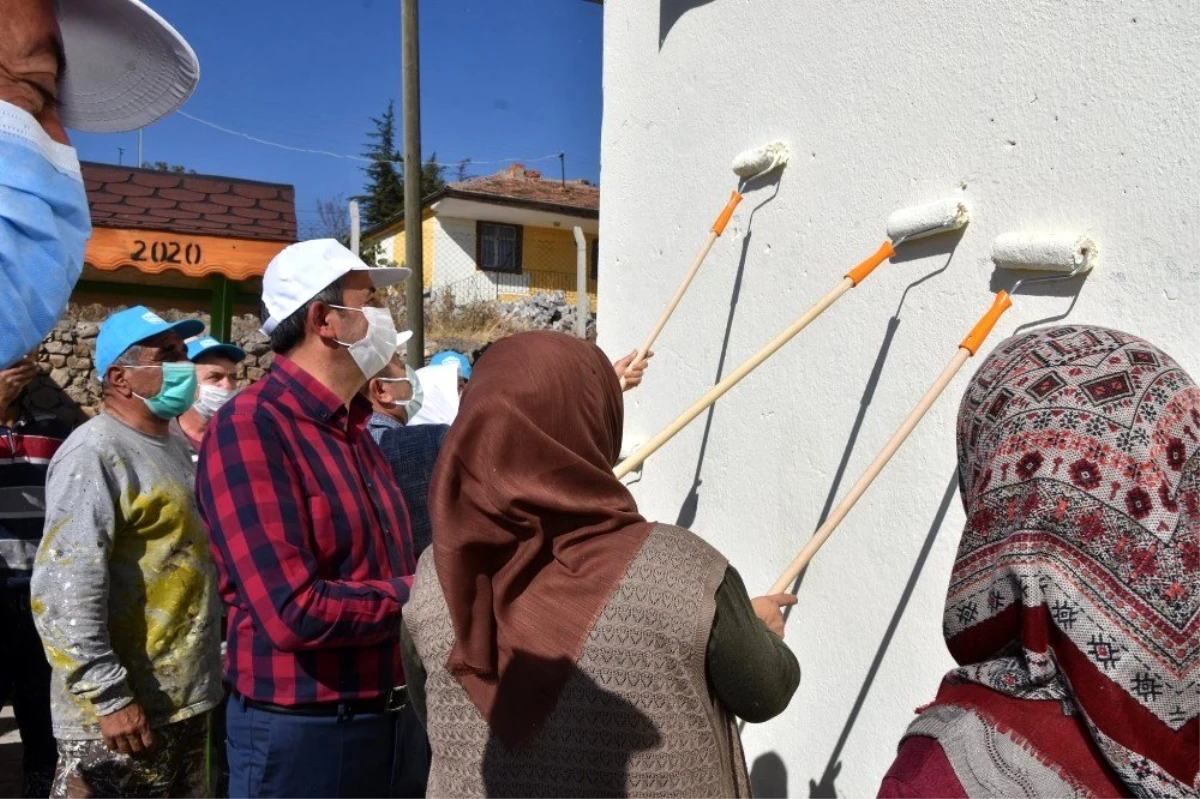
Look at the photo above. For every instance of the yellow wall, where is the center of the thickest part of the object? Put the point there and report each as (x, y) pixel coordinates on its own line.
(548, 255)
(393, 247)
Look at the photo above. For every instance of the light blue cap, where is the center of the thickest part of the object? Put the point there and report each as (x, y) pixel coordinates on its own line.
(125, 328)
(454, 359)
(207, 345)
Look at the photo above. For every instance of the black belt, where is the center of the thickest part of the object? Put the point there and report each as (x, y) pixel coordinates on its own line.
(393, 702)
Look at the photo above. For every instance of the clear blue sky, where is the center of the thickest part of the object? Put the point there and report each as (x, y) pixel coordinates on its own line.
(499, 78)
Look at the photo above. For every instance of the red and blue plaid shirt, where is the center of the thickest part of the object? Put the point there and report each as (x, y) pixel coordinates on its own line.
(311, 540)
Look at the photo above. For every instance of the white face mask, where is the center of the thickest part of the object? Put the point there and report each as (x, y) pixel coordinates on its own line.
(211, 399)
(412, 405)
(376, 348)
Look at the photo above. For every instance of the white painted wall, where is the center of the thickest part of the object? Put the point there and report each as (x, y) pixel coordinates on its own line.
(1065, 114)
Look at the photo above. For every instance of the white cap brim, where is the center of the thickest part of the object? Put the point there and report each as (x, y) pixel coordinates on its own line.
(383, 276)
(126, 66)
(402, 338)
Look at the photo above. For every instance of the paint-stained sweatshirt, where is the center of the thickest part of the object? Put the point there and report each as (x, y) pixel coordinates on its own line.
(123, 585)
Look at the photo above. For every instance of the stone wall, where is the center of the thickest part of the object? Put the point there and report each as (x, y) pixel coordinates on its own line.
(68, 385)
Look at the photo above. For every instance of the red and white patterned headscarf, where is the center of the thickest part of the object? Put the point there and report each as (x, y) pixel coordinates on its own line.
(1077, 575)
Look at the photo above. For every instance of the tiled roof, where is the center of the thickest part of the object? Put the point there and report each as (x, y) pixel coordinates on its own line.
(126, 197)
(519, 183)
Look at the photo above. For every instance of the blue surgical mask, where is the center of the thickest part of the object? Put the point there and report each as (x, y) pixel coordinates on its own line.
(44, 227)
(178, 390)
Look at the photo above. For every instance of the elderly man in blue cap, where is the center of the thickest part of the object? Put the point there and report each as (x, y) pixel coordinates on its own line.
(216, 383)
(123, 587)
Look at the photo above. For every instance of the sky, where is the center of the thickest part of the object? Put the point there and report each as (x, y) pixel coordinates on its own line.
(501, 80)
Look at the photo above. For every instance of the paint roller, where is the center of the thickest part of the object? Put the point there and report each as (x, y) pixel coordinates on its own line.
(1066, 254)
(748, 165)
(903, 225)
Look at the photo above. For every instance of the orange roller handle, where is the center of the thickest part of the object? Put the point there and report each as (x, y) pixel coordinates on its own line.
(859, 273)
(984, 326)
(723, 220)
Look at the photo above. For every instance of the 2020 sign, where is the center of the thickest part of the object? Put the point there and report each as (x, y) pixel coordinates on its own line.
(166, 252)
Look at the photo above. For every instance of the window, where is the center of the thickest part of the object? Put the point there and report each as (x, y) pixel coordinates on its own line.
(498, 247)
(595, 273)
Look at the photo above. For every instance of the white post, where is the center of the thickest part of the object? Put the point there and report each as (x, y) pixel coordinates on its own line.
(582, 305)
(354, 227)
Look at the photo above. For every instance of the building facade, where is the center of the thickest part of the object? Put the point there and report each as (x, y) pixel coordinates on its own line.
(1044, 116)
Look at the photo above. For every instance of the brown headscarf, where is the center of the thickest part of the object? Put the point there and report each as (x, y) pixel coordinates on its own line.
(532, 532)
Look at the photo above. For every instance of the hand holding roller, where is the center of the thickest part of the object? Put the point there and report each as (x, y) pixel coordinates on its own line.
(1074, 253)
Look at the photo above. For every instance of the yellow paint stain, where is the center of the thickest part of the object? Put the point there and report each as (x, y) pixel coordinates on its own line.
(59, 659)
(162, 581)
(43, 553)
(37, 606)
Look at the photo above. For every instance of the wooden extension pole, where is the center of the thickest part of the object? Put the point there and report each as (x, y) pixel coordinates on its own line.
(717, 229)
(852, 279)
(969, 347)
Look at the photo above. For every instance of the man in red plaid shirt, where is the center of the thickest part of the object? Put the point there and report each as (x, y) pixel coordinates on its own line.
(311, 539)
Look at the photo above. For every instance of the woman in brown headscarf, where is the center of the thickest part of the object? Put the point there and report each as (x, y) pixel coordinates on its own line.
(1074, 602)
(557, 643)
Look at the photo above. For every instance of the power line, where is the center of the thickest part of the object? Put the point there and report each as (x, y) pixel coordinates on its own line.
(330, 154)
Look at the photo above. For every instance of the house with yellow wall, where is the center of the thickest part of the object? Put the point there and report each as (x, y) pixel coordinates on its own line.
(501, 237)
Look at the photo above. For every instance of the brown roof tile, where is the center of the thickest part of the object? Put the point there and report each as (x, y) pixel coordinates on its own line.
(182, 195)
(157, 180)
(205, 204)
(519, 183)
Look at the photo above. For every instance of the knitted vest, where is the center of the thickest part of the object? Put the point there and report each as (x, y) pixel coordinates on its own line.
(636, 718)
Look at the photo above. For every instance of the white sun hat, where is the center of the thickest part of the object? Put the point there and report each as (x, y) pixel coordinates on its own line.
(300, 271)
(126, 66)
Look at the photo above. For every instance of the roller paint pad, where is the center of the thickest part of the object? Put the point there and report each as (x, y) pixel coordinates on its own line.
(1052, 252)
(761, 160)
(928, 219)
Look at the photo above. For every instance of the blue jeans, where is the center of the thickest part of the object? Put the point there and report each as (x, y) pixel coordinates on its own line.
(25, 680)
(278, 755)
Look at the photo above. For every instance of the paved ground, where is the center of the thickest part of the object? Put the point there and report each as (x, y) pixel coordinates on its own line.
(10, 755)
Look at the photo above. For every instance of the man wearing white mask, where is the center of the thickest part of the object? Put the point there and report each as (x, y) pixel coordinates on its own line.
(216, 383)
(396, 395)
(311, 539)
(123, 590)
(92, 65)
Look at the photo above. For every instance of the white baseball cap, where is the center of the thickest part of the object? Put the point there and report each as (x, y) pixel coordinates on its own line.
(301, 271)
(126, 66)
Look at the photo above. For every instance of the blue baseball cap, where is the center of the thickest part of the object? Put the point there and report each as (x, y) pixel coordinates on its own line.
(207, 345)
(134, 325)
(454, 359)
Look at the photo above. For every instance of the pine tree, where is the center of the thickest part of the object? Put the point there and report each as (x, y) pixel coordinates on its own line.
(433, 177)
(383, 196)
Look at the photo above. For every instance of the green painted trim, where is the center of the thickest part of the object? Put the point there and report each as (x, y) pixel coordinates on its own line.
(221, 317)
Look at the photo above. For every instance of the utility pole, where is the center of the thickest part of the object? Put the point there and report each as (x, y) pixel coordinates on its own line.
(413, 256)
(354, 227)
(120, 156)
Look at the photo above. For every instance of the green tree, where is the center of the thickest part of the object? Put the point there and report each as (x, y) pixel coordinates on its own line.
(163, 166)
(383, 196)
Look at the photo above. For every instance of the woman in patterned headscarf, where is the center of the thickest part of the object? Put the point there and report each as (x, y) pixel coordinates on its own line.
(1074, 604)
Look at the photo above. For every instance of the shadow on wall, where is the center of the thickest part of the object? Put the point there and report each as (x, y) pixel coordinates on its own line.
(825, 786)
(768, 777)
(940, 245)
(670, 11)
(691, 503)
